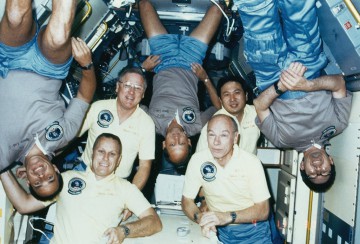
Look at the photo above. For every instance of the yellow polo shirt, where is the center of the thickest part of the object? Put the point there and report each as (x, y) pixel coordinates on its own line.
(248, 130)
(137, 133)
(237, 186)
(87, 207)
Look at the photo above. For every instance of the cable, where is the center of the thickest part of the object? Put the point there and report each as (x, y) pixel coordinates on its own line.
(228, 26)
(31, 225)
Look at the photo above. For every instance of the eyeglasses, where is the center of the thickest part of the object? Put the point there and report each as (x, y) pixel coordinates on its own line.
(311, 177)
(128, 85)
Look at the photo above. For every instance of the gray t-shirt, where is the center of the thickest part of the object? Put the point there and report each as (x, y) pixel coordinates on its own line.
(175, 89)
(299, 123)
(31, 106)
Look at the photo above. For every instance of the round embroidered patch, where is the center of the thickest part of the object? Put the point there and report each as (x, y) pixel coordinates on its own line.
(105, 118)
(54, 132)
(328, 132)
(208, 171)
(188, 115)
(76, 185)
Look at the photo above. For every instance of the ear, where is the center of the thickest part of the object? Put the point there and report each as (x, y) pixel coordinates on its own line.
(56, 169)
(246, 96)
(331, 160)
(163, 145)
(117, 86)
(236, 138)
(302, 166)
(189, 142)
(118, 163)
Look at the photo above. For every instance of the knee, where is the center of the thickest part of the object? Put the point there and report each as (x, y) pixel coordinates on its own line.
(17, 18)
(57, 39)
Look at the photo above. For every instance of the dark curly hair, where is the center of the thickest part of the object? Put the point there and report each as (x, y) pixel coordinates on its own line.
(319, 187)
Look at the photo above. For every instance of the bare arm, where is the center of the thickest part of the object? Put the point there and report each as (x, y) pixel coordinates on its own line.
(253, 214)
(202, 75)
(139, 180)
(294, 80)
(203, 207)
(142, 173)
(263, 102)
(82, 54)
(148, 224)
(150, 62)
(190, 209)
(24, 202)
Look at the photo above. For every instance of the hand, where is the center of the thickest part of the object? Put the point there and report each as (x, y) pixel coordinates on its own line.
(203, 206)
(292, 78)
(298, 68)
(199, 71)
(206, 231)
(115, 235)
(209, 220)
(150, 62)
(126, 214)
(21, 172)
(80, 51)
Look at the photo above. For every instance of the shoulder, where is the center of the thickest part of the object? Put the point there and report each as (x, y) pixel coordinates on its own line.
(144, 117)
(200, 157)
(250, 109)
(247, 158)
(102, 103)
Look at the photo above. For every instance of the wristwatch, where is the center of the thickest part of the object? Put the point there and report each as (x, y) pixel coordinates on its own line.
(233, 217)
(277, 90)
(125, 229)
(196, 216)
(88, 66)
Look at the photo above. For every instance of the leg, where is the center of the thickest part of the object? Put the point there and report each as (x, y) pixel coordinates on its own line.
(208, 25)
(150, 19)
(54, 40)
(264, 44)
(303, 35)
(17, 26)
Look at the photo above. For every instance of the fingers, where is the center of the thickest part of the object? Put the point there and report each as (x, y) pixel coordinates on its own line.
(21, 173)
(205, 232)
(126, 214)
(154, 58)
(111, 236)
(298, 68)
(208, 219)
(80, 51)
(150, 62)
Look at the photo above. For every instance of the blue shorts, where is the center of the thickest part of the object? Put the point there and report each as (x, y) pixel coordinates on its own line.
(258, 233)
(29, 57)
(270, 46)
(177, 51)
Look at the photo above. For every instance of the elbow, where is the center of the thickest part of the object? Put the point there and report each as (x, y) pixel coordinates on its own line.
(22, 210)
(256, 103)
(157, 225)
(265, 212)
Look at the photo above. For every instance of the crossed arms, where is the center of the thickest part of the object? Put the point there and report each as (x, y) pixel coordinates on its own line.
(209, 220)
(292, 79)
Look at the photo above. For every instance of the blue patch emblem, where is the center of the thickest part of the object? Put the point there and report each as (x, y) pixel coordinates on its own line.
(76, 185)
(105, 118)
(328, 133)
(54, 132)
(188, 115)
(208, 171)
